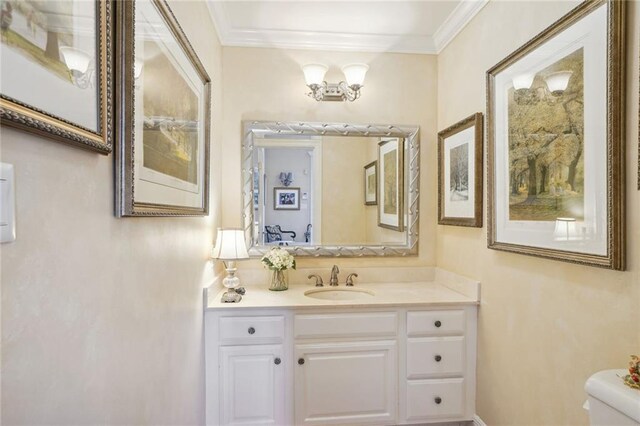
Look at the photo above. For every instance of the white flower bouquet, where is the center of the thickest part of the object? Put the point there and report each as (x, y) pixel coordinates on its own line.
(278, 259)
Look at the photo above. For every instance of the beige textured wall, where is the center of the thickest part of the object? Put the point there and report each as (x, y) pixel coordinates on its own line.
(544, 326)
(268, 84)
(102, 317)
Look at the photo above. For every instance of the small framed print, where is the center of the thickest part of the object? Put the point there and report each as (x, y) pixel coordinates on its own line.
(285, 198)
(391, 184)
(555, 136)
(162, 155)
(460, 173)
(371, 184)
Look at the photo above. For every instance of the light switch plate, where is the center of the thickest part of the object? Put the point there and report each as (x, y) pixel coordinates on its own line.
(7, 203)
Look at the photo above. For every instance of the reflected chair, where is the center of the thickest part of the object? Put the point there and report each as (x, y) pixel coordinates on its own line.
(307, 234)
(274, 233)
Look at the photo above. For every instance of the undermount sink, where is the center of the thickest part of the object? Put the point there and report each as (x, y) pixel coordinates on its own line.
(342, 293)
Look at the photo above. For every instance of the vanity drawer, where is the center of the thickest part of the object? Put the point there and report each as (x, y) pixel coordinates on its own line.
(252, 329)
(435, 323)
(435, 357)
(435, 399)
(366, 324)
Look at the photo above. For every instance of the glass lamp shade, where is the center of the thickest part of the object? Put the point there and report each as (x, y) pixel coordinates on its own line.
(230, 245)
(566, 229)
(355, 73)
(557, 82)
(76, 60)
(523, 81)
(137, 68)
(314, 73)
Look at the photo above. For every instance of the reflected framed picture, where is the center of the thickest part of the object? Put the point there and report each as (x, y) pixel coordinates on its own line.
(460, 149)
(163, 95)
(286, 198)
(391, 184)
(55, 62)
(555, 141)
(371, 184)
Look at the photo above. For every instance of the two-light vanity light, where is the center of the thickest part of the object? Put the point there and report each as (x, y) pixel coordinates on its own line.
(348, 90)
(556, 84)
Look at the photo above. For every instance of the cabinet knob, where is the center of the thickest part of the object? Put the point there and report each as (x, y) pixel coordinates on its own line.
(437, 324)
(438, 358)
(251, 330)
(438, 400)
(301, 361)
(277, 361)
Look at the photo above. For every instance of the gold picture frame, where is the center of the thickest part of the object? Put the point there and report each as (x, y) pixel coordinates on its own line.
(74, 66)
(163, 130)
(391, 184)
(555, 157)
(371, 184)
(460, 151)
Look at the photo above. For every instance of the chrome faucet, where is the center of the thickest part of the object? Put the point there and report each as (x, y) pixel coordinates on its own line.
(333, 281)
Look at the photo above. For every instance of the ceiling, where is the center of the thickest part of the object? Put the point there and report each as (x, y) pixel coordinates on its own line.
(425, 26)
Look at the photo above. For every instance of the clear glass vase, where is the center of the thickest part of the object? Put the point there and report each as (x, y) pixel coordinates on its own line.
(279, 281)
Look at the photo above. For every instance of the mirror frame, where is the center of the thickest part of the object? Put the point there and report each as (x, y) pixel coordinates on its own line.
(410, 133)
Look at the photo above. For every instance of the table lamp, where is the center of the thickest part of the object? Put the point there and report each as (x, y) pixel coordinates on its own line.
(230, 247)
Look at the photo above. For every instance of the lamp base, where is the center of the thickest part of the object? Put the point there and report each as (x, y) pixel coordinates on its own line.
(231, 297)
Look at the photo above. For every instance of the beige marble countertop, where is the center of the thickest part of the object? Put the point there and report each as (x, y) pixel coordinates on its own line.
(385, 295)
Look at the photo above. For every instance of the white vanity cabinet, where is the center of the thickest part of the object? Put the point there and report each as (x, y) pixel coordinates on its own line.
(341, 366)
(247, 368)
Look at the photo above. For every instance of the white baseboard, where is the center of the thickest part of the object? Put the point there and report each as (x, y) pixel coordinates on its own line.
(477, 421)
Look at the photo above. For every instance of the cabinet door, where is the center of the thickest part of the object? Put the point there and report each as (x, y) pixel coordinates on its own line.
(346, 383)
(252, 385)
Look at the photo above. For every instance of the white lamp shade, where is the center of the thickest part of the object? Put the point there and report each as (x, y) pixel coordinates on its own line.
(137, 68)
(76, 60)
(230, 245)
(558, 81)
(354, 73)
(566, 229)
(314, 73)
(523, 81)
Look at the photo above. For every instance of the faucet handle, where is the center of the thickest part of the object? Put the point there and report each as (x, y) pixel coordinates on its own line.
(350, 279)
(318, 279)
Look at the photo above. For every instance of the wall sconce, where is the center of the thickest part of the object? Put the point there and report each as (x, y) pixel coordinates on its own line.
(286, 178)
(555, 85)
(348, 90)
(137, 69)
(78, 63)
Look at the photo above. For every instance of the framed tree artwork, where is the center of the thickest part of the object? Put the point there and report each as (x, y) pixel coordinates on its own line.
(555, 141)
(163, 94)
(391, 184)
(55, 61)
(371, 184)
(460, 152)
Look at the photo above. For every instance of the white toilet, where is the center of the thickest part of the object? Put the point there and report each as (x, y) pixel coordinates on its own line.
(611, 402)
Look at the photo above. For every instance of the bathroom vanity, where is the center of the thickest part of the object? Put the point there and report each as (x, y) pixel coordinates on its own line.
(402, 353)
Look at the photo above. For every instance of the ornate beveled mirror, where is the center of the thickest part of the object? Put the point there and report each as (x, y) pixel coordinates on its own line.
(330, 189)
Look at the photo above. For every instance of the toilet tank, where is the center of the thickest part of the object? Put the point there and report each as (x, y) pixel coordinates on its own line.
(611, 402)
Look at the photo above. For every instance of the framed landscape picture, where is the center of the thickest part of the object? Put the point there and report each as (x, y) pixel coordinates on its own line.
(55, 61)
(371, 184)
(460, 173)
(286, 198)
(163, 94)
(391, 184)
(555, 141)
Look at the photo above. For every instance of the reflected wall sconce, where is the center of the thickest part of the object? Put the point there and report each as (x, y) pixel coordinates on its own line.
(555, 85)
(348, 90)
(78, 63)
(566, 229)
(286, 178)
(229, 248)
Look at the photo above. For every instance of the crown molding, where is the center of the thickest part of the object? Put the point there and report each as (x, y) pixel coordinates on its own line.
(336, 41)
(459, 18)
